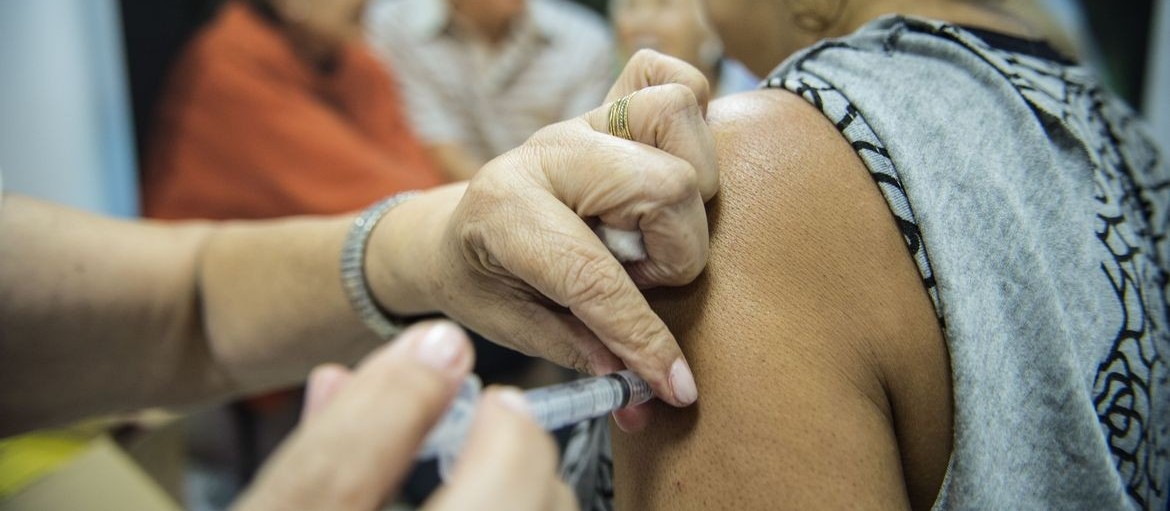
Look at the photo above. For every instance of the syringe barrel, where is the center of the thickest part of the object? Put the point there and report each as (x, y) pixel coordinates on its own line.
(569, 403)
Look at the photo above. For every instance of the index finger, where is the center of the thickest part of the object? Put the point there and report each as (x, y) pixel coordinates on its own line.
(564, 261)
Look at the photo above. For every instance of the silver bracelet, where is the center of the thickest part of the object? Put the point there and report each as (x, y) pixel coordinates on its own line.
(353, 269)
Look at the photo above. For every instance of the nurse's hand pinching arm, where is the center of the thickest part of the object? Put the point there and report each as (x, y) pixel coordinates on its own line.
(362, 430)
(512, 254)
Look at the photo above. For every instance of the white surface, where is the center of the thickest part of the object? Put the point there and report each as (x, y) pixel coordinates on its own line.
(626, 246)
(1157, 100)
(65, 132)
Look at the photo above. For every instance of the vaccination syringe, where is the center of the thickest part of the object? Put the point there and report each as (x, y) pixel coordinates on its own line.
(552, 407)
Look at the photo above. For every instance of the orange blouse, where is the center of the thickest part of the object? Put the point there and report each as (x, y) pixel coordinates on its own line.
(246, 129)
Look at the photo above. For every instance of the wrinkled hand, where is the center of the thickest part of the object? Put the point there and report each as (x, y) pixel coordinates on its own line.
(362, 430)
(691, 142)
(516, 259)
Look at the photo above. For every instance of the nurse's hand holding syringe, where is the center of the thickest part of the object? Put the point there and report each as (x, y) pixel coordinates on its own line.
(552, 408)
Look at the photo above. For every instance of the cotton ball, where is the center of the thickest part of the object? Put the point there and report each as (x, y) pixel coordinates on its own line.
(626, 246)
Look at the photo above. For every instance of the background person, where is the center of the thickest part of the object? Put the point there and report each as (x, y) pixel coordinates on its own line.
(277, 108)
(679, 28)
(481, 76)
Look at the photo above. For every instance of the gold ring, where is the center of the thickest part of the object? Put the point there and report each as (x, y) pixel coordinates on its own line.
(619, 117)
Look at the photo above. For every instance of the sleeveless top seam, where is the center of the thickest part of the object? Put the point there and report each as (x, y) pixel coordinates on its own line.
(865, 142)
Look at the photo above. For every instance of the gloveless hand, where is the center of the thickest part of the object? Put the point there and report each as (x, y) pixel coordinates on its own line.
(362, 430)
(513, 257)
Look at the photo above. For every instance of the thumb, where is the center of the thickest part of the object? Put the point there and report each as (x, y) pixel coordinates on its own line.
(324, 383)
(356, 449)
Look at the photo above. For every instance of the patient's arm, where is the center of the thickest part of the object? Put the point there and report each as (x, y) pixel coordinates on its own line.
(823, 374)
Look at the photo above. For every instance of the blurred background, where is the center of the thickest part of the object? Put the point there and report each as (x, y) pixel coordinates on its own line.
(178, 109)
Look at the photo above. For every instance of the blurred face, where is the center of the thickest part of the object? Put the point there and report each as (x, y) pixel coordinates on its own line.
(324, 23)
(489, 16)
(673, 27)
(762, 33)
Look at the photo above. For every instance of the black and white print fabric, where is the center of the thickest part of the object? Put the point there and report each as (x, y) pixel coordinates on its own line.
(1130, 385)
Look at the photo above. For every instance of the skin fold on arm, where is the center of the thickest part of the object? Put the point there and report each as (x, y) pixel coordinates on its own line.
(824, 374)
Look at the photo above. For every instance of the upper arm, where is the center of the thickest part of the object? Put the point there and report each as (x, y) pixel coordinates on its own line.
(822, 373)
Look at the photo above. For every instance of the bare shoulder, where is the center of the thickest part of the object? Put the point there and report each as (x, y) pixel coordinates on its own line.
(822, 372)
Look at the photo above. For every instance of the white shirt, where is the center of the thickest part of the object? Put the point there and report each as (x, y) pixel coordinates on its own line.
(556, 63)
(735, 78)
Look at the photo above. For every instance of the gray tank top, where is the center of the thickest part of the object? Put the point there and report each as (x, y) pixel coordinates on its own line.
(1035, 208)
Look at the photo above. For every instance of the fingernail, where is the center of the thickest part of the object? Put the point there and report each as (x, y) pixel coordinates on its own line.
(633, 419)
(314, 392)
(512, 399)
(439, 346)
(322, 382)
(620, 421)
(682, 382)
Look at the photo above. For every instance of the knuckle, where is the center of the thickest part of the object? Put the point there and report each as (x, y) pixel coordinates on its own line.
(691, 268)
(576, 360)
(644, 343)
(672, 182)
(586, 362)
(680, 93)
(484, 195)
(690, 261)
(678, 99)
(644, 57)
(709, 184)
(679, 273)
(546, 136)
(483, 232)
(593, 278)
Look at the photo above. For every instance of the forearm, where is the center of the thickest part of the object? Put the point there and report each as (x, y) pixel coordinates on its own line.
(96, 316)
(100, 316)
(272, 302)
(271, 296)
